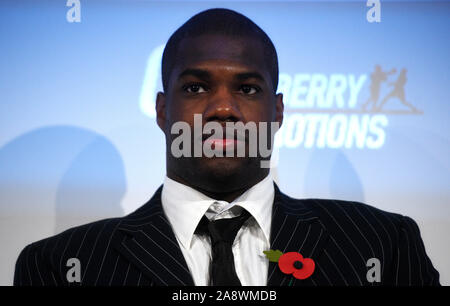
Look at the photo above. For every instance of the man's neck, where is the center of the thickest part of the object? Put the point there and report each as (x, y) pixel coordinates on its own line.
(218, 194)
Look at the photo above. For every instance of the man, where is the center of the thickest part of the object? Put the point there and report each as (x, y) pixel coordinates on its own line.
(222, 220)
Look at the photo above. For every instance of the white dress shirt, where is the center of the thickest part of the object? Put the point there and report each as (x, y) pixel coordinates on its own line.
(184, 208)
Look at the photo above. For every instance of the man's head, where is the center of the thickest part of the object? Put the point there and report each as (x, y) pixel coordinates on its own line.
(221, 22)
(221, 65)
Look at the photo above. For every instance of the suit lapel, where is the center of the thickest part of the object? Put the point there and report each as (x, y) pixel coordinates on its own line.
(295, 228)
(146, 239)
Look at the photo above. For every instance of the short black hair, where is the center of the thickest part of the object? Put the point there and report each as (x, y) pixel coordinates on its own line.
(218, 21)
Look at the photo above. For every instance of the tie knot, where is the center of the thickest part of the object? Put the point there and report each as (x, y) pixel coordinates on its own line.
(222, 230)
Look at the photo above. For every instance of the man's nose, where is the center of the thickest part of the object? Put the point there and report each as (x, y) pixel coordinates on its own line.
(223, 107)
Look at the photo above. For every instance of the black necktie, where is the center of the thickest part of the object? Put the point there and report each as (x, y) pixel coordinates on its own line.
(222, 233)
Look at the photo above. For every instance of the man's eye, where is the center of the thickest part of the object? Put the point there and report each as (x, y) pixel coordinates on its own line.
(249, 89)
(194, 88)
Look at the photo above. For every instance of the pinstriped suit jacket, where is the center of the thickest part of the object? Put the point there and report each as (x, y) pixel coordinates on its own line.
(141, 248)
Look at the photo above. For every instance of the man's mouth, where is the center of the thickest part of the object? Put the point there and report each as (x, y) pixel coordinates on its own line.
(217, 144)
(226, 143)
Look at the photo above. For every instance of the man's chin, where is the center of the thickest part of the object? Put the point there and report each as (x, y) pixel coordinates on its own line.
(224, 168)
(218, 174)
(229, 173)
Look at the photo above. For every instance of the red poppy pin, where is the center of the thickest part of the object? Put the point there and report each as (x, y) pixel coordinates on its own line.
(292, 263)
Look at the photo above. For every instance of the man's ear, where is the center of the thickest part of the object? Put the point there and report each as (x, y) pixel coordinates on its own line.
(279, 108)
(161, 110)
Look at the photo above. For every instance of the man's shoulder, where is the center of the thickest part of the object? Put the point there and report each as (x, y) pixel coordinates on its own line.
(339, 213)
(346, 208)
(77, 242)
(84, 234)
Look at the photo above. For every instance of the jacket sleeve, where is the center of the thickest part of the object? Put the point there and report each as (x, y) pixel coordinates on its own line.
(32, 270)
(413, 267)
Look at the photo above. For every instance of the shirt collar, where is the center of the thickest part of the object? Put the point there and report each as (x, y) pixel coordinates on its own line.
(185, 206)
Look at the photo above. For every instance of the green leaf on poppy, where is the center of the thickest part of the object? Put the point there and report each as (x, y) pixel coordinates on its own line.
(273, 255)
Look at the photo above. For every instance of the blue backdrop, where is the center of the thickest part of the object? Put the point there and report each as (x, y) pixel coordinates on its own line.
(367, 109)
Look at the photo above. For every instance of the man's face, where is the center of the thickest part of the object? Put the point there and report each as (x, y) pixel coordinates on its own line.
(223, 79)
